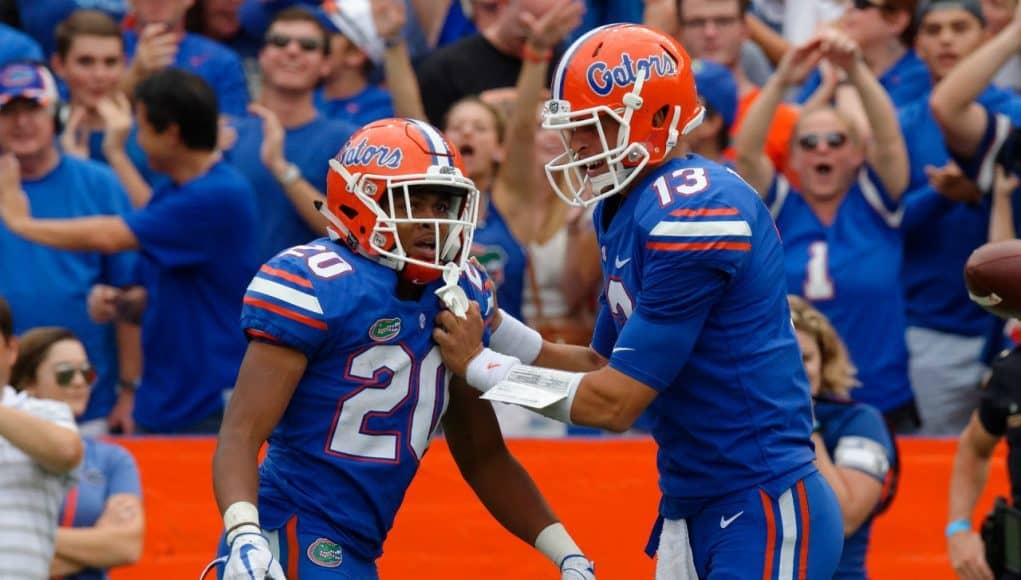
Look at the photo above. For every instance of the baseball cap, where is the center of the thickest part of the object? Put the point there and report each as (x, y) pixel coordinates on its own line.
(25, 80)
(927, 6)
(717, 86)
(353, 19)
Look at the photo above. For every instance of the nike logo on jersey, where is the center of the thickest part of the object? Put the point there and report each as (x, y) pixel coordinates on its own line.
(724, 522)
(622, 349)
(620, 263)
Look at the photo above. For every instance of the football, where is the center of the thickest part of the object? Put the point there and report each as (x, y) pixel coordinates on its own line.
(993, 277)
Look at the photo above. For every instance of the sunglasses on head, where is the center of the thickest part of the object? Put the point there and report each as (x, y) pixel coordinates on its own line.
(866, 4)
(811, 141)
(64, 373)
(306, 43)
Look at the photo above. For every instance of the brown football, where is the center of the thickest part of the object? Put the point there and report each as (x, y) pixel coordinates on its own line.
(993, 276)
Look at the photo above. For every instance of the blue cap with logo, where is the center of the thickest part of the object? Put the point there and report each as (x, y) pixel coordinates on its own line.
(27, 81)
(717, 87)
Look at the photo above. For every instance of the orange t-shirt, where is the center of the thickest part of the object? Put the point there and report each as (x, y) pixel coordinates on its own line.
(778, 139)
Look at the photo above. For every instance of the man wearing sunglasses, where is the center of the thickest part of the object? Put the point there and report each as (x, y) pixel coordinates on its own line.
(158, 40)
(283, 147)
(841, 228)
(40, 450)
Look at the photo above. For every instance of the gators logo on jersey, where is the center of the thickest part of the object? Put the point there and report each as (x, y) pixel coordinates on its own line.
(384, 329)
(325, 553)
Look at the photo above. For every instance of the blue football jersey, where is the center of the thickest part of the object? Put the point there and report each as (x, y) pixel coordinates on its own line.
(372, 396)
(856, 438)
(694, 305)
(850, 270)
(999, 122)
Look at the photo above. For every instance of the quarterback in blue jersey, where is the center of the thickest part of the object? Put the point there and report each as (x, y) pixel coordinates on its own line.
(694, 328)
(343, 379)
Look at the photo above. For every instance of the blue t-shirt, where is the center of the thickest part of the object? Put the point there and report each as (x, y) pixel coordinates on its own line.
(15, 46)
(856, 438)
(495, 247)
(134, 152)
(907, 81)
(940, 234)
(372, 395)
(107, 470)
(694, 305)
(40, 19)
(310, 147)
(850, 270)
(197, 256)
(212, 61)
(370, 105)
(49, 287)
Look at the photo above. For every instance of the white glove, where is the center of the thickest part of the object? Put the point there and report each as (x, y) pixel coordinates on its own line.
(251, 559)
(577, 567)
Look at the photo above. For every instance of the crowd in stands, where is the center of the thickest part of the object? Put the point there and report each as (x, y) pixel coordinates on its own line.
(129, 233)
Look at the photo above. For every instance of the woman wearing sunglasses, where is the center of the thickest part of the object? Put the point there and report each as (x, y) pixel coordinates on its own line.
(841, 230)
(101, 521)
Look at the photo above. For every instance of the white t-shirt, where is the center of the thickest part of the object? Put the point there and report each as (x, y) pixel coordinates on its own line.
(30, 496)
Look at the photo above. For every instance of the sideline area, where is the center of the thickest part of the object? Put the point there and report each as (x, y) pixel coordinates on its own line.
(603, 489)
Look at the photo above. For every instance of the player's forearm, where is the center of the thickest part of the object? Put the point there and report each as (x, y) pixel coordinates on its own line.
(100, 547)
(235, 469)
(57, 449)
(61, 566)
(569, 357)
(510, 495)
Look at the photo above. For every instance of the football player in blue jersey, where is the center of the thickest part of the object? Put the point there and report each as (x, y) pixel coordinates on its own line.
(343, 379)
(694, 328)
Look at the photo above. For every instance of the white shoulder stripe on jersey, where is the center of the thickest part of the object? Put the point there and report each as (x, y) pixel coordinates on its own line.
(783, 189)
(986, 172)
(789, 526)
(875, 199)
(286, 294)
(700, 229)
(436, 142)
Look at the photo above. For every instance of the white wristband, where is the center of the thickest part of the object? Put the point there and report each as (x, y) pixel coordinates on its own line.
(488, 368)
(516, 339)
(556, 544)
(240, 517)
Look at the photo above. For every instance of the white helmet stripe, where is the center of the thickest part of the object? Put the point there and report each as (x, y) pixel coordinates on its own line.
(558, 80)
(436, 143)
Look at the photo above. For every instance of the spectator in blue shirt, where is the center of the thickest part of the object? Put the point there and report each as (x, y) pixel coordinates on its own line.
(159, 40)
(39, 18)
(355, 49)
(61, 186)
(197, 255)
(101, 521)
(285, 148)
(15, 45)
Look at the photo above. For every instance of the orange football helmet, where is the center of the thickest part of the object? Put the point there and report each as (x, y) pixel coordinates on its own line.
(633, 75)
(378, 170)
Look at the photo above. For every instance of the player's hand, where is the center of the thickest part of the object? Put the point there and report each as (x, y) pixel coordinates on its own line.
(460, 340)
(967, 556)
(577, 567)
(952, 183)
(251, 559)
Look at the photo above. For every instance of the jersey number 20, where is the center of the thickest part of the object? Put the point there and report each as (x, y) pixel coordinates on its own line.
(413, 382)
